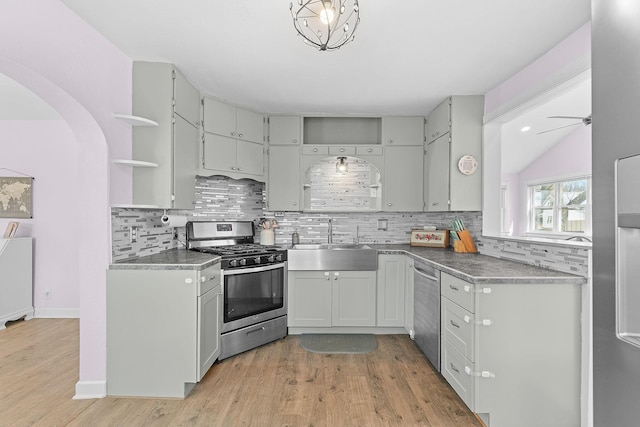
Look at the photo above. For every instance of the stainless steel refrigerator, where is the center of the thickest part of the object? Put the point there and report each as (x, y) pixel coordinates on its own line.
(616, 234)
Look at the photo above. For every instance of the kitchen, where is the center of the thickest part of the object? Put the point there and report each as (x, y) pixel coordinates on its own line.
(94, 240)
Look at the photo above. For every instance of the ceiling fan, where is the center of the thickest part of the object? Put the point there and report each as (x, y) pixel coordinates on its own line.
(584, 120)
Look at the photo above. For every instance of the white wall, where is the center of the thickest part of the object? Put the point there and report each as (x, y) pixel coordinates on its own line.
(47, 150)
(52, 52)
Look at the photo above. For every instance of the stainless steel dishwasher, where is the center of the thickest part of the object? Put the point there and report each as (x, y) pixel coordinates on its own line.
(426, 311)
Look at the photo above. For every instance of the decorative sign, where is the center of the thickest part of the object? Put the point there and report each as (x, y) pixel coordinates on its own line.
(16, 197)
(467, 164)
(432, 238)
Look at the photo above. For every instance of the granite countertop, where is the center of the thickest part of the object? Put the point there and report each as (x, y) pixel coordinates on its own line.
(474, 268)
(173, 259)
(482, 269)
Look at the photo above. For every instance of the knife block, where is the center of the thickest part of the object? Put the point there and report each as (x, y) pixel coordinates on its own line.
(465, 244)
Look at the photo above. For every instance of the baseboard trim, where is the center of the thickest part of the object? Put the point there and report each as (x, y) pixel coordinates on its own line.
(90, 390)
(56, 313)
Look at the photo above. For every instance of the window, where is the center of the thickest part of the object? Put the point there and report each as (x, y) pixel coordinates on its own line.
(561, 206)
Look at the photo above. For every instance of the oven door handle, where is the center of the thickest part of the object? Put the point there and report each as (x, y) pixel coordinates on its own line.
(235, 271)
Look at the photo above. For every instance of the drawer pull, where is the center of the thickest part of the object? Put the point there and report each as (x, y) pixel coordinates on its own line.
(453, 367)
(260, 329)
(454, 324)
(454, 288)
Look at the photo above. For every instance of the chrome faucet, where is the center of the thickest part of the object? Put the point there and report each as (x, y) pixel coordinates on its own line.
(357, 239)
(330, 232)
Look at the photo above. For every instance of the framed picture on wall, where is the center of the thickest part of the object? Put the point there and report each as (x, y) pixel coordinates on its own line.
(16, 199)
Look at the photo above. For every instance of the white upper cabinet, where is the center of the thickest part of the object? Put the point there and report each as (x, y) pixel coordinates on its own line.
(285, 130)
(233, 122)
(439, 121)
(403, 179)
(284, 183)
(448, 186)
(186, 99)
(159, 89)
(233, 141)
(401, 130)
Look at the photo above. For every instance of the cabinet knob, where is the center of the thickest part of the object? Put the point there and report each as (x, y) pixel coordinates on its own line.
(315, 150)
(342, 150)
(390, 141)
(370, 150)
(326, 275)
(233, 134)
(240, 135)
(389, 204)
(295, 141)
(294, 203)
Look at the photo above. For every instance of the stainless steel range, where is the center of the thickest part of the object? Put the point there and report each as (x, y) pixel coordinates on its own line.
(254, 283)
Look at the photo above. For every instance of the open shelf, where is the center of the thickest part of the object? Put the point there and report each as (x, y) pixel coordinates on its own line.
(135, 120)
(135, 163)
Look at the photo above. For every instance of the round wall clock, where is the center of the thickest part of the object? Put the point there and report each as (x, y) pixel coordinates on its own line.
(467, 164)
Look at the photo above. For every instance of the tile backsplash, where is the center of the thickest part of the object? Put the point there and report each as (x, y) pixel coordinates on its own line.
(225, 199)
(222, 198)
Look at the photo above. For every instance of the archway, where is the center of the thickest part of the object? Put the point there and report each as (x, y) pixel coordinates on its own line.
(92, 230)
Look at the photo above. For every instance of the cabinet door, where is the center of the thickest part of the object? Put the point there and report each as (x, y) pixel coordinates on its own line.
(408, 296)
(285, 130)
(219, 153)
(185, 163)
(403, 130)
(250, 126)
(309, 299)
(210, 307)
(391, 290)
(249, 158)
(536, 327)
(354, 298)
(439, 121)
(186, 99)
(437, 182)
(219, 118)
(283, 185)
(403, 179)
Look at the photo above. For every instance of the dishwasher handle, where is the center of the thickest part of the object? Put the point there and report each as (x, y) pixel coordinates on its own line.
(425, 275)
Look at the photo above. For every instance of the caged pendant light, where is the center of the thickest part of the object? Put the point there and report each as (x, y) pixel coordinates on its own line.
(326, 24)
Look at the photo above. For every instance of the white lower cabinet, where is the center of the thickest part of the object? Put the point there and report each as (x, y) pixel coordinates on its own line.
(391, 290)
(163, 330)
(331, 298)
(512, 351)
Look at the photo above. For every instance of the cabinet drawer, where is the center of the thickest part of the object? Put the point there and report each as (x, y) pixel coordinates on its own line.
(310, 149)
(209, 278)
(454, 370)
(458, 328)
(342, 151)
(369, 151)
(458, 291)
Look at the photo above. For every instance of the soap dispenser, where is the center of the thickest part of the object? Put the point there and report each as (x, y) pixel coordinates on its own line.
(295, 238)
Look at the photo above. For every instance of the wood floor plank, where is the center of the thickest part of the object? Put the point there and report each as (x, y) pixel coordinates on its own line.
(279, 384)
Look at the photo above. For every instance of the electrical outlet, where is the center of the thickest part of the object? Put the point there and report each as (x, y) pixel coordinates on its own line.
(133, 234)
(383, 224)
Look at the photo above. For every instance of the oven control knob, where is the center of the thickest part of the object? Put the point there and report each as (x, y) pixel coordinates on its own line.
(233, 263)
(243, 261)
(279, 257)
(256, 260)
(271, 258)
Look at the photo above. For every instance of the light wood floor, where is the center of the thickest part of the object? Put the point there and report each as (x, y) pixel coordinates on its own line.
(279, 384)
